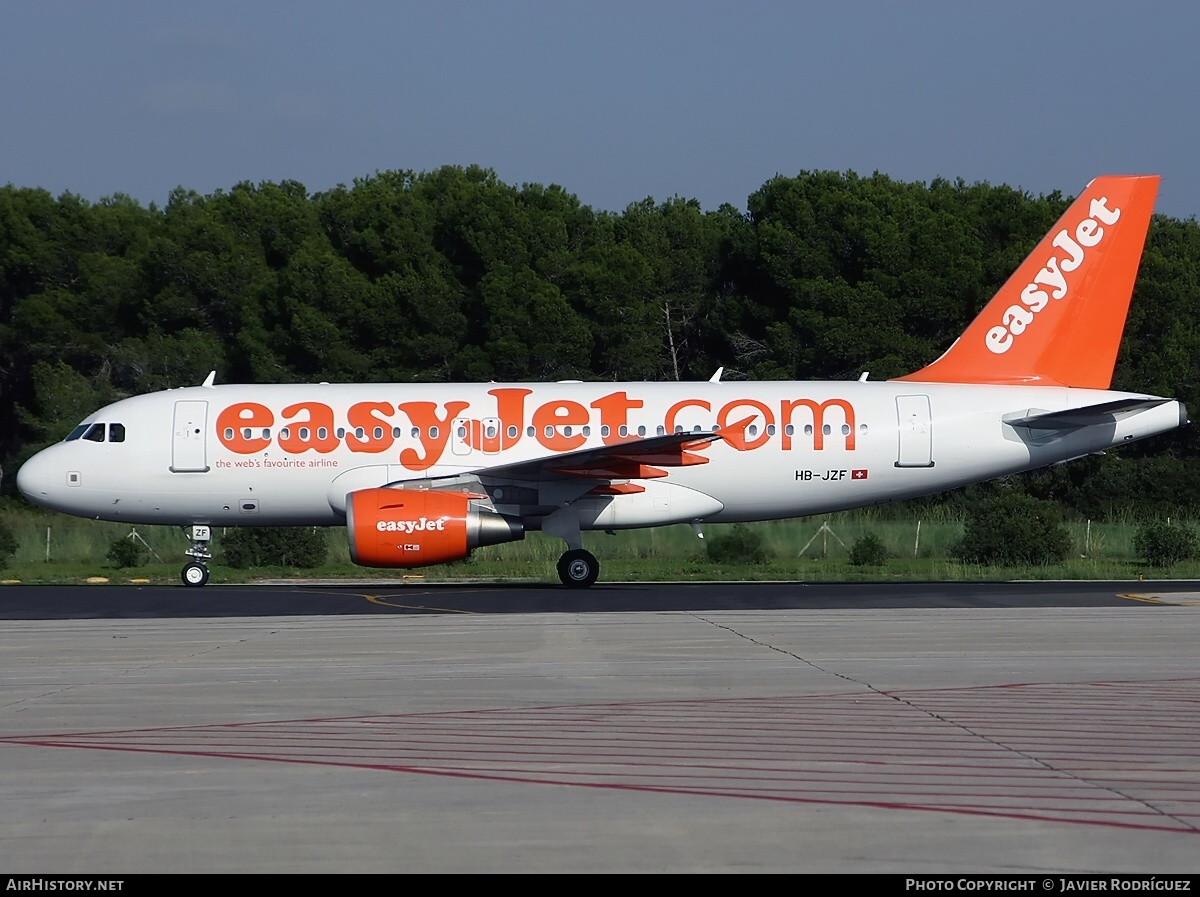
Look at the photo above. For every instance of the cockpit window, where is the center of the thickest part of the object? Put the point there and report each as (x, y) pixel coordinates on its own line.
(116, 432)
(94, 433)
(76, 433)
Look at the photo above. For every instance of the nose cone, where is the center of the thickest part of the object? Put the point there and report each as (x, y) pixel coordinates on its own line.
(38, 477)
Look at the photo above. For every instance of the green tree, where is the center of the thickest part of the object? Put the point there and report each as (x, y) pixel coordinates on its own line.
(1014, 529)
(275, 546)
(8, 544)
(869, 551)
(738, 545)
(1163, 544)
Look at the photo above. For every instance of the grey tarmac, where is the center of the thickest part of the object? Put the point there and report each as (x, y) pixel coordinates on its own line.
(1022, 728)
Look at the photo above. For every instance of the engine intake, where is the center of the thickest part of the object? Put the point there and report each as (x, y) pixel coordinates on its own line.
(416, 528)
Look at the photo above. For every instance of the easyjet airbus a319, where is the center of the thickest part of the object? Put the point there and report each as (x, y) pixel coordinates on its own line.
(422, 473)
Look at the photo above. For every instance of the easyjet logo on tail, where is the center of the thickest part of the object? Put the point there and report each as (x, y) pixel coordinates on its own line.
(1053, 277)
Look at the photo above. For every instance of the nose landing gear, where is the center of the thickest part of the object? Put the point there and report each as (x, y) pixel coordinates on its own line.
(195, 572)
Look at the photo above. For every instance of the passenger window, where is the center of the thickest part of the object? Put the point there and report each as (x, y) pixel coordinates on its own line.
(116, 432)
(94, 433)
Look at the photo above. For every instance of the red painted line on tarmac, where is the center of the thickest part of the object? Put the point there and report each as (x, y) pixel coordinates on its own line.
(1122, 755)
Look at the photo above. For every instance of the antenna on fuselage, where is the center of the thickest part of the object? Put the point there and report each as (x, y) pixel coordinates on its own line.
(716, 378)
(209, 380)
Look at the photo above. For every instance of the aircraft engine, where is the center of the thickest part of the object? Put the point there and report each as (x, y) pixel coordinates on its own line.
(416, 528)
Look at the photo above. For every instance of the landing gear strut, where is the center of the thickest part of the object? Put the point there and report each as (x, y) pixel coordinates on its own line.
(195, 573)
(578, 568)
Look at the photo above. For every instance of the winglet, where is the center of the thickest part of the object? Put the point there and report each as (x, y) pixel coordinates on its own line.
(1058, 320)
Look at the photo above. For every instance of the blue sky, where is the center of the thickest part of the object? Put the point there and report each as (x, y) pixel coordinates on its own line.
(615, 101)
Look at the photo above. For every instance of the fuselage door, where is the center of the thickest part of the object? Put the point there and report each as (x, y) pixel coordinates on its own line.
(916, 432)
(188, 454)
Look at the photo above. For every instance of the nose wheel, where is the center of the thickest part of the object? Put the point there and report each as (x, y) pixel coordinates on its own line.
(194, 574)
(578, 569)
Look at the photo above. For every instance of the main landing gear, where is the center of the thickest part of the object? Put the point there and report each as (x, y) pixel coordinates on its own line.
(578, 568)
(194, 572)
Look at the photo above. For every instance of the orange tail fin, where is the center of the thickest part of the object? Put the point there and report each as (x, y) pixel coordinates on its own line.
(1058, 320)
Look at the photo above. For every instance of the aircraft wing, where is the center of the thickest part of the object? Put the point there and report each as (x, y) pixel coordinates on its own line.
(562, 477)
(638, 459)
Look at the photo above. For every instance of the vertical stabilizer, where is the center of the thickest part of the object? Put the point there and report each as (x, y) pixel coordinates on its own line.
(1058, 320)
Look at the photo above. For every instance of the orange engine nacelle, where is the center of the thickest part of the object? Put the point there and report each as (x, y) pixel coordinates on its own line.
(411, 528)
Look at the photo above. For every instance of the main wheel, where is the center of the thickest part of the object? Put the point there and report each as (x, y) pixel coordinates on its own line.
(194, 574)
(578, 569)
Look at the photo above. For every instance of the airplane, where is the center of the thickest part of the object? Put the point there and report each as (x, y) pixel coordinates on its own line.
(423, 473)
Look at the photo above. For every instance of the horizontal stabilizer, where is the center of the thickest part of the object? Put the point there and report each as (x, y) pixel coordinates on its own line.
(1087, 416)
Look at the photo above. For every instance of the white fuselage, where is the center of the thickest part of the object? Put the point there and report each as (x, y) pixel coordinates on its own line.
(289, 454)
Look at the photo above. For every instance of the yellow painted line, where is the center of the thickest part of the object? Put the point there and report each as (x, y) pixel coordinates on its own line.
(383, 600)
(380, 599)
(1146, 598)
(1151, 599)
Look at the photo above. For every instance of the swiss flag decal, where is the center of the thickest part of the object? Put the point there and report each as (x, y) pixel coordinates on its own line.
(858, 474)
